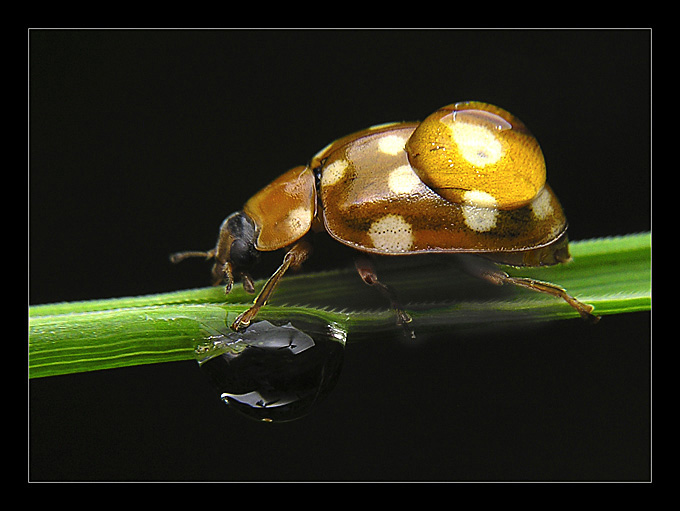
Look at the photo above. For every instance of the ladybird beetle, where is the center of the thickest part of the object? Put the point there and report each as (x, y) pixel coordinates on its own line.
(469, 179)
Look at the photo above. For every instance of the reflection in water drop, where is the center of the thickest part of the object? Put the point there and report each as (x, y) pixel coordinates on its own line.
(273, 373)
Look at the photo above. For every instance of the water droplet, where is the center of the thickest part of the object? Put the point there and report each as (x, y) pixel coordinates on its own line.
(273, 373)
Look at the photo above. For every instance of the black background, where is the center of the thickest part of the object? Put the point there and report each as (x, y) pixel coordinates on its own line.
(141, 142)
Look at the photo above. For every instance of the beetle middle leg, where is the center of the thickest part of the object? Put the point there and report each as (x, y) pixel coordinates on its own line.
(293, 259)
(368, 274)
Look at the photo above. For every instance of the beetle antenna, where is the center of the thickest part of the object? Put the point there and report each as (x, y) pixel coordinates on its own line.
(181, 256)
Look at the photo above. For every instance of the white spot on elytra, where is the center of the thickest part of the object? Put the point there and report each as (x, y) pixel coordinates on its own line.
(391, 233)
(333, 172)
(541, 205)
(391, 144)
(403, 180)
(479, 199)
(479, 219)
(477, 144)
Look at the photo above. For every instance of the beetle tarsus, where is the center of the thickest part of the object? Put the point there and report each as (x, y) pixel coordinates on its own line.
(243, 319)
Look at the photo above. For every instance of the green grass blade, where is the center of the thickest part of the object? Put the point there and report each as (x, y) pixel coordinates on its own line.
(613, 274)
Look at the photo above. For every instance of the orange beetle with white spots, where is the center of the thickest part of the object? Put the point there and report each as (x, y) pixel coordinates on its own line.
(469, 179)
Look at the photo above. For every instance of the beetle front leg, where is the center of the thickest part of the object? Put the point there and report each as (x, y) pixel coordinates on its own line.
(368, 274)
(293, 259)
(223, 273)
(247, 281)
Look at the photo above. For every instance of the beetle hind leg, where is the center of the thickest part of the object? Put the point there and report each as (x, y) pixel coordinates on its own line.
(368, 274)
(490, 272)
(584, 309)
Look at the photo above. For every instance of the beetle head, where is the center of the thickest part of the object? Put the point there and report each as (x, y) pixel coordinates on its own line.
(235, 251)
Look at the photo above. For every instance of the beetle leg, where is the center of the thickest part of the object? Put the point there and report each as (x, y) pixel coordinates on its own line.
(495, 275)
(293, 259)
(368, 274)
(247, 281)
(584, 309)
(223, 273)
